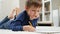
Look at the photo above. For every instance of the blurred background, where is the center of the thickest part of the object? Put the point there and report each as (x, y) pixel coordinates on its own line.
(50, 15)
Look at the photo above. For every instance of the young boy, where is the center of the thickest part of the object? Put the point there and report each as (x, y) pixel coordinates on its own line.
(27, 20)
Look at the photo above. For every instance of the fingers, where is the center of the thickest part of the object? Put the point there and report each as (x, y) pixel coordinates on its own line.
(28, 28)
(32, 29)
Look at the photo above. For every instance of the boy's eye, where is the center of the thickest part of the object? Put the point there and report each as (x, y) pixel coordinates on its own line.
(33, 10)
(37, 11)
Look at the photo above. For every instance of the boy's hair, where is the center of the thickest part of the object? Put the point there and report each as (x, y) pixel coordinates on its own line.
(35, 3)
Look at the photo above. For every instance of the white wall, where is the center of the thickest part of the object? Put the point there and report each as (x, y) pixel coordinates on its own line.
(7, 6)
(55, 18)
(55, 4)
(22, 4)
(59, 15)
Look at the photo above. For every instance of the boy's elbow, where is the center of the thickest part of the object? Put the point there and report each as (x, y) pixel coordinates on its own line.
(17, 28)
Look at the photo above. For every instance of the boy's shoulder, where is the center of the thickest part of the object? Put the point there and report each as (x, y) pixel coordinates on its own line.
(21, 16)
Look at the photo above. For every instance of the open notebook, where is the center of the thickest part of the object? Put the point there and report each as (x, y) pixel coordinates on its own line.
(48, 29)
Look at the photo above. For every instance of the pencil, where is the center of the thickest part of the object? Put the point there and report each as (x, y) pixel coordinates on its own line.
(30, 23)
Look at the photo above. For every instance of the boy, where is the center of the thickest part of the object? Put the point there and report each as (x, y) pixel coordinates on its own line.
(27, 20)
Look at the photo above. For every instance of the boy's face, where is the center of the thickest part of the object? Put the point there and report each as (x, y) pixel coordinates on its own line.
(33, 12)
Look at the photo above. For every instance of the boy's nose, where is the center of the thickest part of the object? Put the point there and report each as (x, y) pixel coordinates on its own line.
(36, 14)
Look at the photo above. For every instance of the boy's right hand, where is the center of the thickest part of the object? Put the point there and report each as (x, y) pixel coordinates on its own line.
(29, 28)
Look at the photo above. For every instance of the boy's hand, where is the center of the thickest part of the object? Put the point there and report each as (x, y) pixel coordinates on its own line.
(28, 28)
(35, 17)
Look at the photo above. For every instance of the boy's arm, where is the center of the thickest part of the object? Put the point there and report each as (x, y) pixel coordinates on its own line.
(16, 26)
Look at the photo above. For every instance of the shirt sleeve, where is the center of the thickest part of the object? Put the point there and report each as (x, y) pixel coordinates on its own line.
(16, 26)
(17, 23)
(34, 22)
